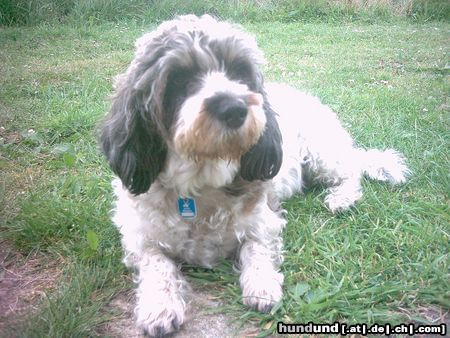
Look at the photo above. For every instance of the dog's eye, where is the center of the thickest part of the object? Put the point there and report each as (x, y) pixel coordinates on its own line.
(241, 71)
(178, 84)
(178, 79)
(242, 68)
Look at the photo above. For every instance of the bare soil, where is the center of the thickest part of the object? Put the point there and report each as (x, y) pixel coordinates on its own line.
(202, 320)
(23, 281)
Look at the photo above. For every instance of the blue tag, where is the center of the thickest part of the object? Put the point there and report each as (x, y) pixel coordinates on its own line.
(187, 208)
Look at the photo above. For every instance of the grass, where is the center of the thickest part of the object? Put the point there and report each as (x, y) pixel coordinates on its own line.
(31, 12)
(384, 261)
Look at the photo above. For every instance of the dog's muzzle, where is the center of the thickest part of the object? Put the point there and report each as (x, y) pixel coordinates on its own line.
(228, 108)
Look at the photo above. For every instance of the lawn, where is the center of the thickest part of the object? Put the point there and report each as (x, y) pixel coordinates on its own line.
(386, 260)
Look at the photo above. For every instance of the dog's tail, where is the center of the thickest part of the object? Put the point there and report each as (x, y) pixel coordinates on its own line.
(388, 165)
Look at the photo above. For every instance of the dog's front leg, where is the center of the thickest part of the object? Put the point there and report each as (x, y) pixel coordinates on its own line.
(160, 295)
(260, 281)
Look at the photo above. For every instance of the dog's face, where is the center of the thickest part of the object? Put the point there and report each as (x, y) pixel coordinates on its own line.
(194, 87)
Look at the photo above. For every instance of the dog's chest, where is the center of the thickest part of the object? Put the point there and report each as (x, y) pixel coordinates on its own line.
(202, 229)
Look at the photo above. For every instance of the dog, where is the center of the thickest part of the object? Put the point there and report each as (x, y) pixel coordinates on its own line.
(204, 152)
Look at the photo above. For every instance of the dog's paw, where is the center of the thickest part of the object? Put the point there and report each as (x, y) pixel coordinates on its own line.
(338, 203)
(339, 200)
(158, 319)
(262, 293)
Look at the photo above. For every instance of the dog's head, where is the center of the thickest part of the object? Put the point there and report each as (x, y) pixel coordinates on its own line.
(194, 87)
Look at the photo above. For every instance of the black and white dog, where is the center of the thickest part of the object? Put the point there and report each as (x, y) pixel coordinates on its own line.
(204, 151)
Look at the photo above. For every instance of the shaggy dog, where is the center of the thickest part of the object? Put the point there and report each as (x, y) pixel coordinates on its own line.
(204, 151)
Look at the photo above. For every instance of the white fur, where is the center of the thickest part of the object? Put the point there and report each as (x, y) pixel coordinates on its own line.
(243, 224)
(317, 148)
(189, 178)
(193, 107)
(154, 236)
(212, 83)
(153, 233)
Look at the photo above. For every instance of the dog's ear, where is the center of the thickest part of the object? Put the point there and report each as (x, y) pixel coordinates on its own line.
(132, 136)
(132, 144)
(263, 160)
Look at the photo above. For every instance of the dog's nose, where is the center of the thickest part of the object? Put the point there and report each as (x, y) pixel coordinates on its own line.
(230, 110)
(234, 115)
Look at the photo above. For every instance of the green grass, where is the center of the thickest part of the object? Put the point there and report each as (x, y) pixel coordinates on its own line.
(32, 12)
(384, 261)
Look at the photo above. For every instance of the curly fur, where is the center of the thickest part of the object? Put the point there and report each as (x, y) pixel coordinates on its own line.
(191, 117)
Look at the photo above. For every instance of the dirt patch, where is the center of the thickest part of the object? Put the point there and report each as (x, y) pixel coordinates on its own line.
(8, 137)
(203, 319)
(435, 315)
(23, 281)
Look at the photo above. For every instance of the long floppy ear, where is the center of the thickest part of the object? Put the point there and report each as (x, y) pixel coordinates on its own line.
(132, 137)
(134, 149)
(263, 160)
